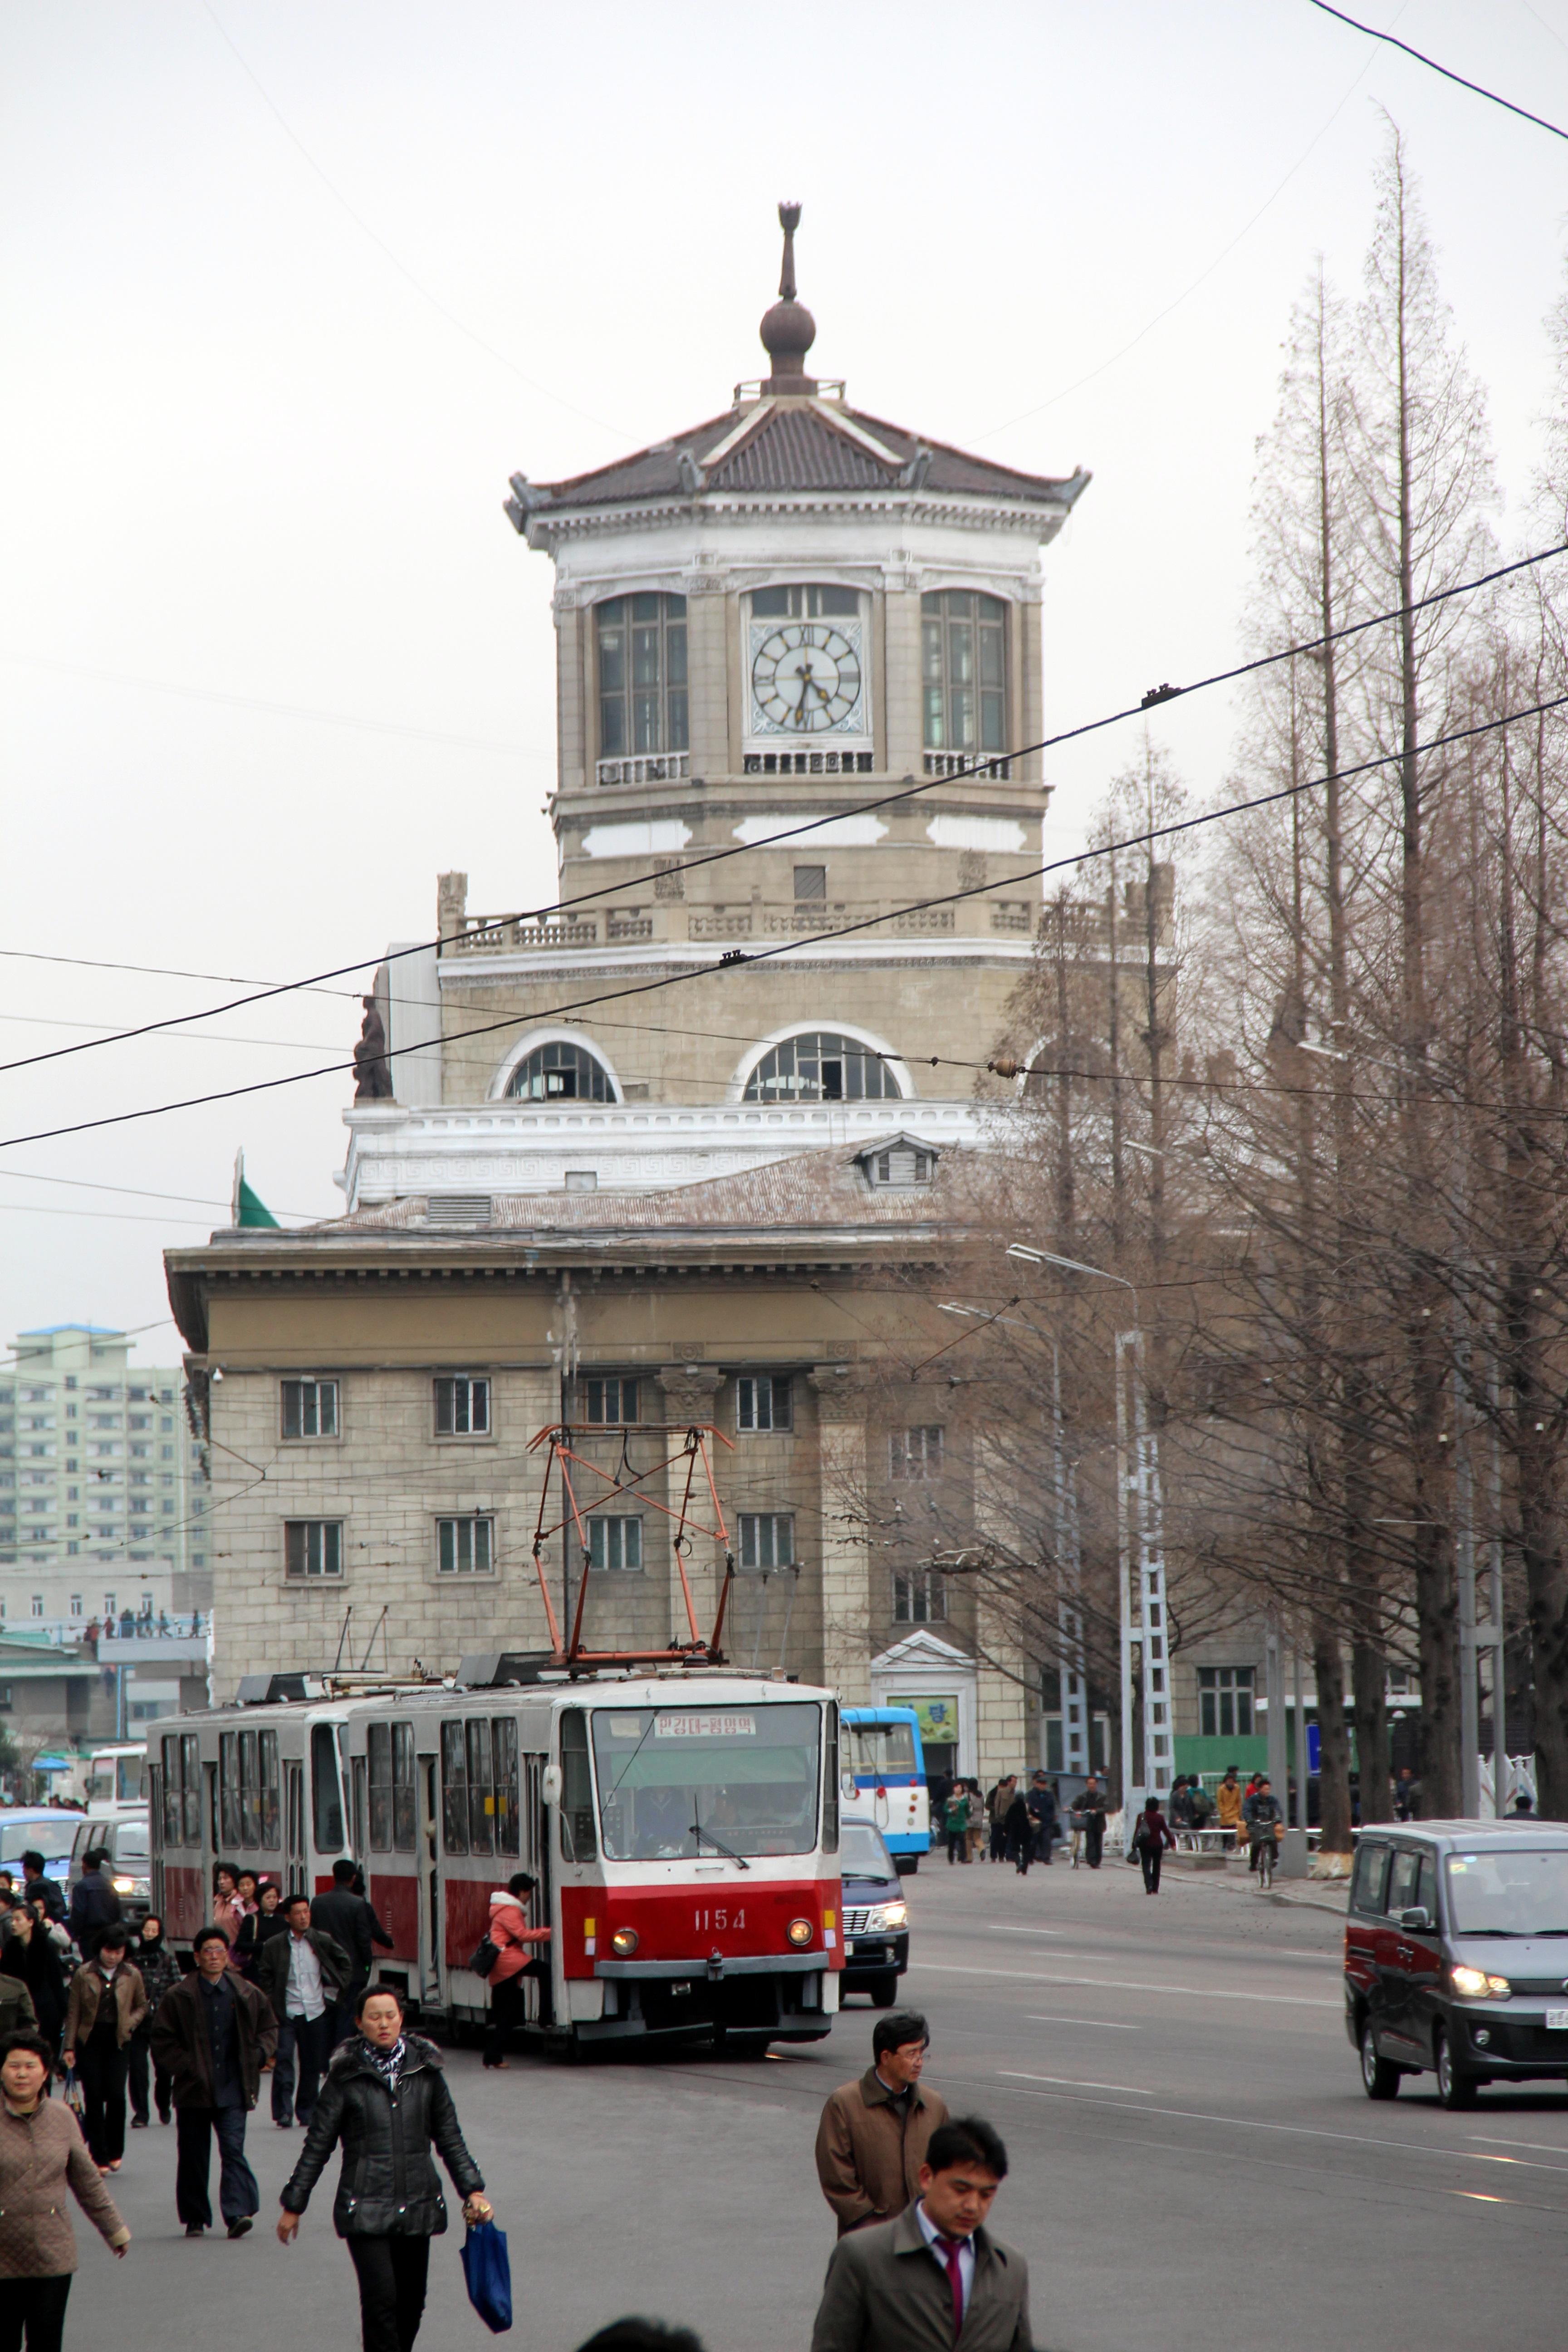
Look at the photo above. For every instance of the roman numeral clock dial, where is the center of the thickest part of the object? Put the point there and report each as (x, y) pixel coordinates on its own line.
(805, 678)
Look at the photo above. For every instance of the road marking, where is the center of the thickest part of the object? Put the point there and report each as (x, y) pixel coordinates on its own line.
(1295, 2131)
(1541, 2147)
(1129, 1984)
(1002, 1927)
(1069, 2083)
(1105, 2025)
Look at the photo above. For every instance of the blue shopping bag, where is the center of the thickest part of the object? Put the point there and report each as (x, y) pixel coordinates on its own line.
(488, 2276)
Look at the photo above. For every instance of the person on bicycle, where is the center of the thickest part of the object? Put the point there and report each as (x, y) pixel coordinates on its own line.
(1262, 1816)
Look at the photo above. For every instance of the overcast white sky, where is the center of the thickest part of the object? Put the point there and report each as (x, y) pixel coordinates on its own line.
(271, 658)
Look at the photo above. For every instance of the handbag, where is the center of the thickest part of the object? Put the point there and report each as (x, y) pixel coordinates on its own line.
(483, 1956)
(487, 2274)
(72, 2093)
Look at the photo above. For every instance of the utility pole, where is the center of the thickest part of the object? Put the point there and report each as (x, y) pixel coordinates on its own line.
(1073, 1684)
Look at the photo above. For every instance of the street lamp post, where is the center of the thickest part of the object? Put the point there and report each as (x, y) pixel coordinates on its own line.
(1140, 1490)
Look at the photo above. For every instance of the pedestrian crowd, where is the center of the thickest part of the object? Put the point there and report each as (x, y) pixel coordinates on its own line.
(1018, 1823)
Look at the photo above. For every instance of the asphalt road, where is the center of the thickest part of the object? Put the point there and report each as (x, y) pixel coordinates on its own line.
(1194, 2162)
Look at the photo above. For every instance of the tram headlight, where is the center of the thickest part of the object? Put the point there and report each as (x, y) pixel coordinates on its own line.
(800, 1931)
(624, 1942)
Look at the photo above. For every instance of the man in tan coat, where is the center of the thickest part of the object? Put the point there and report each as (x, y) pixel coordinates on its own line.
(873, 2136)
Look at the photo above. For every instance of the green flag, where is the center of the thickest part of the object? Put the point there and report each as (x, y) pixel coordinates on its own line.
(248, 1210)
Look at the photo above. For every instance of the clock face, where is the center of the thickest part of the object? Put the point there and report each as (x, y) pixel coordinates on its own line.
(805, 679)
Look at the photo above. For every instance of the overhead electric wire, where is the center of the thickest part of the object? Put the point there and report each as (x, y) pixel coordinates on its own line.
(1155, 698)
(839, 932)
(1479, 89)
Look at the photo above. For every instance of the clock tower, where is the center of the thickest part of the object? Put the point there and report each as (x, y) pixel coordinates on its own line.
(798, 652)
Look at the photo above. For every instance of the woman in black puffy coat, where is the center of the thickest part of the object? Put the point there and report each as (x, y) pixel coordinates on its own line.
(386, 2098)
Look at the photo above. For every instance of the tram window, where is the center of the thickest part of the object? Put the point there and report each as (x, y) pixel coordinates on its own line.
(190, 1750)
(271, 1808)
(173, 1812)
(403, 1787)
(578, 1841)
(454, 1789)
(380, 1745)
(830, 1782)
(326, 1791)
(481, 1786)
(228, 1791)
(250, 1791)
(361, 1805)
(509, 1819)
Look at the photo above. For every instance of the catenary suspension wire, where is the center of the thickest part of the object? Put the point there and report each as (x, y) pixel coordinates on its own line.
(1478, 89)
(914, 790)
(817, 939)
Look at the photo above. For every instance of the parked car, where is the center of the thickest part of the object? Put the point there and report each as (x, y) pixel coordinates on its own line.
(126, 1837)
(876, 1915)
(1457, 1955)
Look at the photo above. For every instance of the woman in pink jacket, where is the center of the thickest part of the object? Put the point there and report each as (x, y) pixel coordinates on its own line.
(511, 1934)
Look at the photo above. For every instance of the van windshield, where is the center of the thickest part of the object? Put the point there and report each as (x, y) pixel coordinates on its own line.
(1521, 1891)
(683, 1780)
(53, 1840)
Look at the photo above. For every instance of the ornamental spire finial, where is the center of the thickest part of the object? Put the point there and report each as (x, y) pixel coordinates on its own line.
(788, 329)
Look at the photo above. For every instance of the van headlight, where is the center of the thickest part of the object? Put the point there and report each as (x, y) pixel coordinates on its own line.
(883, 1916)
(1474, 1984)
(124, 1885)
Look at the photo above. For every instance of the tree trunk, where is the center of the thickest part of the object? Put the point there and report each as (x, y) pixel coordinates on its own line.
(1369, 1683)
(1333, 1740)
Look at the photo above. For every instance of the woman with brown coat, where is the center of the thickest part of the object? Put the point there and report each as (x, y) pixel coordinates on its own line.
(108, 2002)
(41, 2154)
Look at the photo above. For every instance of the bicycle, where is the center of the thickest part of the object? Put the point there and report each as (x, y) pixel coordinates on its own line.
(1267, 1857)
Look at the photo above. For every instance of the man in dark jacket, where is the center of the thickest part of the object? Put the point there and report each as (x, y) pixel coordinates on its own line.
(302, 1975)
(1042, 1805)
(37, 1888)
(94, 1903)
(351, 1920)
(17, 2014)
(212, 2035)
(935, 2276)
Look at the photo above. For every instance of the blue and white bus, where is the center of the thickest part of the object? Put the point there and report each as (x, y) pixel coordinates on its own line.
(883, 1755)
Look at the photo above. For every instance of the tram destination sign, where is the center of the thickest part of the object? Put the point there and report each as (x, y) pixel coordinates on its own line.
(705, 1726)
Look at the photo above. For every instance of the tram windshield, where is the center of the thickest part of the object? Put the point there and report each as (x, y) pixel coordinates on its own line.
(678, 1781)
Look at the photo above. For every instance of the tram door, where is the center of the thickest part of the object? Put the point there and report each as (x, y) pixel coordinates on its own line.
(429, 1886)
(294, 1826)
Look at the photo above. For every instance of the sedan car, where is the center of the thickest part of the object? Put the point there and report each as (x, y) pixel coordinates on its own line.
(1457, 1955)
(876, 1915)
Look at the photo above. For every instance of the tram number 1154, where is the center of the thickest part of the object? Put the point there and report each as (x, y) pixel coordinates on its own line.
(705, 1922)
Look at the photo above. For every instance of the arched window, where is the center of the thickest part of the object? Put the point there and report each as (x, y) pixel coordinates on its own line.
(561, 1072)
(819, 1065)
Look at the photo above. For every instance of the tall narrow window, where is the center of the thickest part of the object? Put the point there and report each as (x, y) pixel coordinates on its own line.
(326, 1789)
(481, 1786)
(463, 1547)
(963, 671)
(615, 1542)
(579, 1840)
(313, 1547)
(454, 1789)
(378, 1742)
(767, 1539)
(403, 1787)
(509, 1818)
(250, 1791)
(642, 675)
(920, 1598)
(271, 1808)
(611, 1397)
(914, 1453)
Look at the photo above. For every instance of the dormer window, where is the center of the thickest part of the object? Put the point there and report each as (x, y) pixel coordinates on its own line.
(641, 645)
(898, 1163)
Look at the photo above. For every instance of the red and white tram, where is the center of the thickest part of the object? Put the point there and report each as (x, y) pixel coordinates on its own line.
(682, 1825)
(261, 1785)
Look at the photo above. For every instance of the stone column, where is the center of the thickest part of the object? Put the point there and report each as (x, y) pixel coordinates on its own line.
(707, 674)
(688, 1392)
(903, 753)
(842, 1457)
(1000, 1732)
